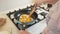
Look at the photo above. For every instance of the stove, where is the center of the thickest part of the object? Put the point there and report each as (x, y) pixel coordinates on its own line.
(40, 11)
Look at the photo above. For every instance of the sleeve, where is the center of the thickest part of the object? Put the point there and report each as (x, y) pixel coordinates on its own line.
(58, 26)
(48, 16)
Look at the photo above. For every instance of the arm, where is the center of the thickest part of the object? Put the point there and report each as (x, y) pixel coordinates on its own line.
(39, 2)
(51, 1)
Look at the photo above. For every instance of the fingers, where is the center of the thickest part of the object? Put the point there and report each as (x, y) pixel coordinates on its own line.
(39, 2)
(24, 32)
(45, 31)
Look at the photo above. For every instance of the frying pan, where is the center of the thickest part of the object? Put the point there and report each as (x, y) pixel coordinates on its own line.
(24, 11)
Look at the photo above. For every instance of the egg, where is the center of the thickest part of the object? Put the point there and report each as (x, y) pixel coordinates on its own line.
(25, 18)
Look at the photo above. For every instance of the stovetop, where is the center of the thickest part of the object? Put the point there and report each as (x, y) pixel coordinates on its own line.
(41, 16)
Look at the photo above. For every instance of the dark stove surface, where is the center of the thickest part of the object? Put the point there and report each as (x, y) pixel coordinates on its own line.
(19, 26)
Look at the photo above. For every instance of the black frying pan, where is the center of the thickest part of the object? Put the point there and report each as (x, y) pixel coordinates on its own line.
(19, 13)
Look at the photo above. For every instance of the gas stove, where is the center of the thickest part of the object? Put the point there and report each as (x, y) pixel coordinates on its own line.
(40, 11)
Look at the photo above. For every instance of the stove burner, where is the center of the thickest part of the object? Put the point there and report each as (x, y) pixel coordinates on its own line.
(11, 16)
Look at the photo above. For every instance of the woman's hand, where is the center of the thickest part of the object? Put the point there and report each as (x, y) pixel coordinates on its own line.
(45, 31)
(24, 32)
(39, 2)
